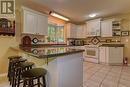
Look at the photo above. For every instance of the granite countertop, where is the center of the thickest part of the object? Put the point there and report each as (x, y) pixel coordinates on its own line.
(112, 45)
(51, 45)
(46, 52)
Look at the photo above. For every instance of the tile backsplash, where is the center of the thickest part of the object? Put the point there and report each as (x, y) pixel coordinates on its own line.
(41, 39)
(103, 40)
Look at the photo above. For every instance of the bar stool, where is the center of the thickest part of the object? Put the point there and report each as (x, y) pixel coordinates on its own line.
(34, 74)
(13, 61)
(10, 62)
(21, 67)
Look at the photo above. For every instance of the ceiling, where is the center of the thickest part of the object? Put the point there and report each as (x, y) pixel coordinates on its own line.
(78, 10)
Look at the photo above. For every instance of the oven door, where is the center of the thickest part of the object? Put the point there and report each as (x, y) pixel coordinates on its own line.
(91, 52)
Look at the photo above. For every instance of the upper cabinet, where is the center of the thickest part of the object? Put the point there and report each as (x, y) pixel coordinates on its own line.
(75, 31)
(110, 28)
(42, 25)
(81, 31)
(106, 28)
(71, 30)
(93, 28)
(34, 22)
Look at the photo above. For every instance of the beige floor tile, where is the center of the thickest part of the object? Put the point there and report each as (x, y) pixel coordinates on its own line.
(121, 85)
(124, 82)
(109, 83)
(125, 77)
(92, 83)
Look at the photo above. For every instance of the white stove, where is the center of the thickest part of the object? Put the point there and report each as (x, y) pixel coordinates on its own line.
(92, 53)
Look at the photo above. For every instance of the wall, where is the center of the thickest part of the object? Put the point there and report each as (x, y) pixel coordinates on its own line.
(8, 41)
(5, 43)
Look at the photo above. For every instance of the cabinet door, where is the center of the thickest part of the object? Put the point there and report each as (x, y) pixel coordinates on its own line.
(29, 22)
(106, 28)
(93, 27)
(96, 27)
(80, 31)
(102, 54)
(71, 30)
(42, 25)
(115, 55)
(89, 28)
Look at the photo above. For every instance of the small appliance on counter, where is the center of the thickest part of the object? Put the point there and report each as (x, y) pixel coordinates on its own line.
(75, 42)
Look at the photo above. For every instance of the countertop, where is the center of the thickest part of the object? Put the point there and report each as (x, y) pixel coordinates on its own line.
(50, 45)
(46, 52)
(112, 45)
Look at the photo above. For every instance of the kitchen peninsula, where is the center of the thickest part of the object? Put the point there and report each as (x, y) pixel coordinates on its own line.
(64, 65)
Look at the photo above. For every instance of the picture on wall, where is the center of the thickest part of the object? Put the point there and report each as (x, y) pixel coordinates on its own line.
(7, 27)
(124, 33)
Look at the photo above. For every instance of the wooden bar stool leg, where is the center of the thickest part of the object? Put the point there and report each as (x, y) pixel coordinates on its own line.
(24, 83)
(18, 83)
(44, 81)
(14, 83)
(30, 83)
(38, 81)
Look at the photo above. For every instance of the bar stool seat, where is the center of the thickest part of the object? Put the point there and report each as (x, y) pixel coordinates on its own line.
(14, 57)
(32, 74)
(25, 64)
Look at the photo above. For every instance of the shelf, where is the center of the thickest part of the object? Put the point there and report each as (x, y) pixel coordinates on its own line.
(7, 31)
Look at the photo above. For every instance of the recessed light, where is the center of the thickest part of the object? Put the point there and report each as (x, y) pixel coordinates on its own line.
(92, 15)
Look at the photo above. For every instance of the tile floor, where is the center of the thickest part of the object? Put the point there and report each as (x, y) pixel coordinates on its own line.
(98, 75)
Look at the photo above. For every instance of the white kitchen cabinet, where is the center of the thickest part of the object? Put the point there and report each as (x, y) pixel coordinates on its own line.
(93, 27)
(42, 25)
(109, 27)
(81, 31)
(71, 30)
(76, 31)
(34, 22)
(106, 28)
(115, 55)
(102, 55)
(29, 22)
(111, 55)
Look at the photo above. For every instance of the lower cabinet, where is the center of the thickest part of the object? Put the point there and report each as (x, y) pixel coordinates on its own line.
(102, 55)
(111, 55)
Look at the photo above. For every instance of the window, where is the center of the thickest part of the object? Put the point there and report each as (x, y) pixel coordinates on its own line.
(55, 33)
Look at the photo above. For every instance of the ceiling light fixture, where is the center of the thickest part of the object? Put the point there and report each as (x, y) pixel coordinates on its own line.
(58, 16)
(92, 15)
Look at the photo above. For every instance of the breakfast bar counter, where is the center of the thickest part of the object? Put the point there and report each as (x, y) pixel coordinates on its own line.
(48, 52)
(64, 64)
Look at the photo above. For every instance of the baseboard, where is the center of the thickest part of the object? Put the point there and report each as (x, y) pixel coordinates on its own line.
(4, 74)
